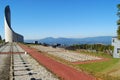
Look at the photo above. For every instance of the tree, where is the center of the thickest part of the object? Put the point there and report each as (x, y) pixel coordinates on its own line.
(118, 6)
(118, 33)
(118, 22)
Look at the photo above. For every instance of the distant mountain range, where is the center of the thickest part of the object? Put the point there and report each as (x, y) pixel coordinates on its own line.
(69, 41)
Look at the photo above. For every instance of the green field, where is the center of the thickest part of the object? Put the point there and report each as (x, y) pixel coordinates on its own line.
(107, 70)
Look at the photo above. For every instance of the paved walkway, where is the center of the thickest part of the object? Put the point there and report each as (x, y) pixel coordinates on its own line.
(61, 70)
(27, 68)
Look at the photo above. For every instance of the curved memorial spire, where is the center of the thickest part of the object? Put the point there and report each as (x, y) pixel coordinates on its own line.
(10, 35)
(7, 16)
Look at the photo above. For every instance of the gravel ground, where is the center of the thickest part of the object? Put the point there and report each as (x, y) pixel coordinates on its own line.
(26, 68)
(65, 54)
(4, 66)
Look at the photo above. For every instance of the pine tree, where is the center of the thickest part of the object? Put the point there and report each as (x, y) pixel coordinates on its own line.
(118, 32)
(118, 22)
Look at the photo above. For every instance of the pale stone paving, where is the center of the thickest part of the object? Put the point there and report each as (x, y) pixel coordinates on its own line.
(23, 66)
(26, 68)
(4, 66)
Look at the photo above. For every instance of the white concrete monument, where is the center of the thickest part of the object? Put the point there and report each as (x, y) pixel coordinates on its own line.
(10, 35)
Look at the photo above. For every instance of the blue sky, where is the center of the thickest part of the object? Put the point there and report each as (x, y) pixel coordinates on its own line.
(36, 19)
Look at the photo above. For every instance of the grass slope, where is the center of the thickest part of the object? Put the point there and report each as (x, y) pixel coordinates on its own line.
(106, 70)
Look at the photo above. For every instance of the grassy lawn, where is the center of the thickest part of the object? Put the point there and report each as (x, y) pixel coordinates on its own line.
(99, 66)
(102, 69)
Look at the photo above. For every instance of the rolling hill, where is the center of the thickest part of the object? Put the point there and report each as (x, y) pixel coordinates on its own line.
(69, 41)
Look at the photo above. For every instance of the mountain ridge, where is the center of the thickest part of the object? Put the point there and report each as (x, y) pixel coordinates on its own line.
(70, 41)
